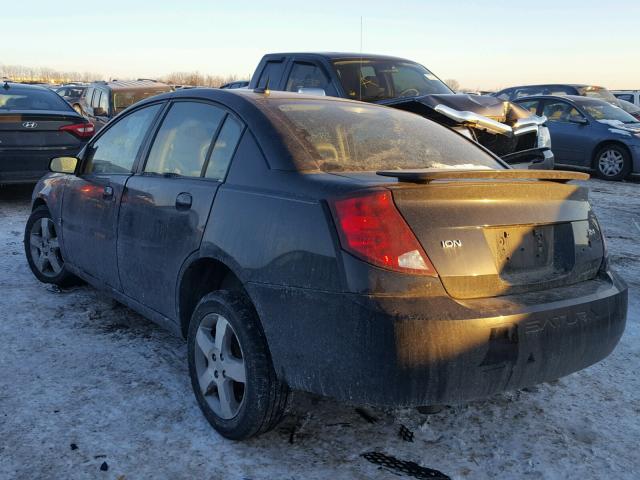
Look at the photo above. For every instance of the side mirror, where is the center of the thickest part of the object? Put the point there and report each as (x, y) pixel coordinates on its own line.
(63, 164)
(318, 92)
(579, 120)
(99, 112)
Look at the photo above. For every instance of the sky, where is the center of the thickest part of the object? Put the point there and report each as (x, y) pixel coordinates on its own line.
(483, 44)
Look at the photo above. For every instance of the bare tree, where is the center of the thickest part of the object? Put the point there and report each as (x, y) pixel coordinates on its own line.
(21, 73)
(198, 79)
(453, 84)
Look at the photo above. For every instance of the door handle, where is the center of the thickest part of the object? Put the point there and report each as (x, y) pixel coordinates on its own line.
(183, 201)
(107, 193)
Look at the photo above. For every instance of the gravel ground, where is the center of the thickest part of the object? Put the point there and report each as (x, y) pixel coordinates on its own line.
(89, 389)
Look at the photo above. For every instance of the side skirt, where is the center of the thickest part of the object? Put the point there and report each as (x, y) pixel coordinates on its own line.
(143, 310)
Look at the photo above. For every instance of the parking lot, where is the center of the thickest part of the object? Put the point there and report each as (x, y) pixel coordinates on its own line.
(89, 389)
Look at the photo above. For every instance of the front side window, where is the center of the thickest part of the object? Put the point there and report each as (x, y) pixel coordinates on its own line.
(306, 75)
(376, 80)
(561, 112)
(182, 142)
(531, 105)
(116, 150)
(224, 148)
(334, 136)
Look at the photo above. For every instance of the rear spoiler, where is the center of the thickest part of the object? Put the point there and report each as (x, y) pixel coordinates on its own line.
(428, 176)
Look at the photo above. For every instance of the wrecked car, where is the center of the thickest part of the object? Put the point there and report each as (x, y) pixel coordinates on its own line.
(518, 137)
(331, 246)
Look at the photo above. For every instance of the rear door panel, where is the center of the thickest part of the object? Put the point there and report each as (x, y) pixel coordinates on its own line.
(156, 234)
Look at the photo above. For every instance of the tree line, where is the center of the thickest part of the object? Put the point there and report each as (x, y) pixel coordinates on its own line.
(21, 73)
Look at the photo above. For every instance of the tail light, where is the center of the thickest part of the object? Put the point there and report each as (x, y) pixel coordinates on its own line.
(80, 130)
(371, 228)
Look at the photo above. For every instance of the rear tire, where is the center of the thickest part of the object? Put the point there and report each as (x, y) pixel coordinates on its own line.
(230, 367)
(612, 162)
(42, 248)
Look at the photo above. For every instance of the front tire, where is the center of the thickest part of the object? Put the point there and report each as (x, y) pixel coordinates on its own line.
(230, 367)
(612, 162)
(42, 248)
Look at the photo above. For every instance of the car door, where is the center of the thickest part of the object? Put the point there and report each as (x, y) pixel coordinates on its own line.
(569, 131)
(166, 205)
(92, 198)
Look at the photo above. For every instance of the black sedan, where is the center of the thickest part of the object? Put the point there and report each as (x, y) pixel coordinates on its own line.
(35, 126)
(332, 246)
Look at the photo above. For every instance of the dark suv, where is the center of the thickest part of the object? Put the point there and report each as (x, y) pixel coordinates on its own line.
(102, 101)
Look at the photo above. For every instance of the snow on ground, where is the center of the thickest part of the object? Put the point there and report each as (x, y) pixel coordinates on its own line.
(77, 368)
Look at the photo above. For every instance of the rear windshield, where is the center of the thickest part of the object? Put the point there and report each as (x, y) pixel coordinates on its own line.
(31, 99)
(376, 80)
(125, 98)
(334, 136)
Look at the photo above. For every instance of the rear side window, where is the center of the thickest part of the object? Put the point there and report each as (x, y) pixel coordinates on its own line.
(625, 96)
(96, 98)
(116, 150)
(560, 112)
(270, 74)
(88, 94)
(31, 99)
(224, 148)
(334, 136)
(104, 101)
(306, 75)
(182, 143)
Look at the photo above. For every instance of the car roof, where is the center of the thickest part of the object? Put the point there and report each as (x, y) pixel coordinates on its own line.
(22, 86)
(574, 85)
(579, 99)
(340, 56)
(241, 96)
(129, 84)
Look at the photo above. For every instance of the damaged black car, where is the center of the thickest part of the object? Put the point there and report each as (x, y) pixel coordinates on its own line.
(331, 246)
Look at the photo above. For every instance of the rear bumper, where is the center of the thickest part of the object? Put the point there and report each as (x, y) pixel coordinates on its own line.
(403, 351)
(28, 166)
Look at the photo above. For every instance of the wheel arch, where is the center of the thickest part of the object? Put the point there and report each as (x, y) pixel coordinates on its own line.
(199, 276)
(39, 202)
(604, 143)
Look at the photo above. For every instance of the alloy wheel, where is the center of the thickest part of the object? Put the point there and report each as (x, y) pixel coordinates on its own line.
(611, 163)
(45, 248)
(220, 366)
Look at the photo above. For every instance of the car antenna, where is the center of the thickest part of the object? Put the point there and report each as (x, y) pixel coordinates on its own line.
(264, 89)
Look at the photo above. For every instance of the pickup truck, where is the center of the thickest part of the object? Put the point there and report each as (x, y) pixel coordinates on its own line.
(508, 130)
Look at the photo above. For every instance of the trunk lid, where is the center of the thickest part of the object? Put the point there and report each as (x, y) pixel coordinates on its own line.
(496, 237)
(35, 129)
